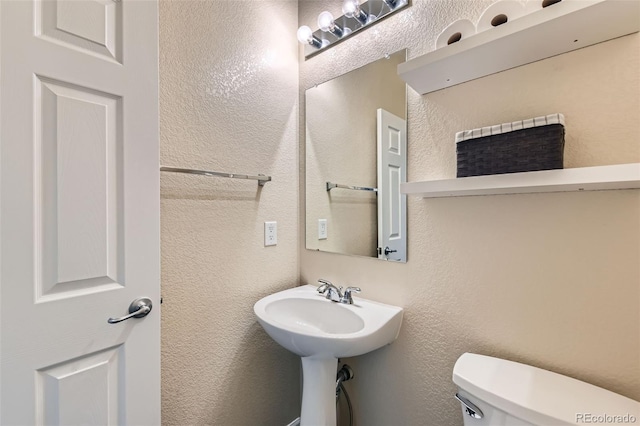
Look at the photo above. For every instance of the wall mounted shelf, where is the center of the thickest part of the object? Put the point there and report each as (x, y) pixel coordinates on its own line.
(620, 176)
(560, 28)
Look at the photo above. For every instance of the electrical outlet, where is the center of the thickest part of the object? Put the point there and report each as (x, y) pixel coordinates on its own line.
(322, 229)
(270, 233)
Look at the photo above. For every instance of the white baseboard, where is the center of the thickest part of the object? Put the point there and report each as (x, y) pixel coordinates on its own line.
(296, 422)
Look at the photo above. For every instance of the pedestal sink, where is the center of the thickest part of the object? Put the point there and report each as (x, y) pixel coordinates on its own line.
(321, 331)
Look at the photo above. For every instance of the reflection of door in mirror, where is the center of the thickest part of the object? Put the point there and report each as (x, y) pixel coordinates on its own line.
(341, 148)
(392, 169)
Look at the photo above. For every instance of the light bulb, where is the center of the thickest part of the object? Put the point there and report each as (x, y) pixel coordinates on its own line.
(305, 35)
(350, 8)
(325, 21)
(327, 24)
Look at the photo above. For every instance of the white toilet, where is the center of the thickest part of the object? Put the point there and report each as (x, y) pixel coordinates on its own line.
(496, 392)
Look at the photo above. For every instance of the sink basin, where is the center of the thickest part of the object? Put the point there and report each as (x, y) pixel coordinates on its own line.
(321, 331)
(304, 322)
(314, 316)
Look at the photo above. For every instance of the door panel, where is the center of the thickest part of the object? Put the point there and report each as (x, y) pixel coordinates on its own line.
(79, 212)
(79, 201)
(81, 391)
(94, 27)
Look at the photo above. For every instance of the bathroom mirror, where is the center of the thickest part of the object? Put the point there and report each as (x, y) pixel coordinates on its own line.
(356, 155)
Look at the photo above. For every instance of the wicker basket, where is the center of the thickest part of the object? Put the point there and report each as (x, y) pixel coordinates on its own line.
(523, 146)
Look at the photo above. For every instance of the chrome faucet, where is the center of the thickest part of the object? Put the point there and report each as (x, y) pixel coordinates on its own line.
(330, 291)
(335, 294)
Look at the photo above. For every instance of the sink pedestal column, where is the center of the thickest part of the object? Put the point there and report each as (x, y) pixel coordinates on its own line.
(318, 391)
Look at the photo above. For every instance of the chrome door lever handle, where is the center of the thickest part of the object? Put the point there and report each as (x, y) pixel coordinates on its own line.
(139, 308)
(387, 250)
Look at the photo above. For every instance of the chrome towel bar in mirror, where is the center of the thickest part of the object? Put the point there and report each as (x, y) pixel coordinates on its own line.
(331, 185)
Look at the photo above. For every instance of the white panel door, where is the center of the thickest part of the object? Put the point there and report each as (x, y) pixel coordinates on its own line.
(79, 217)
(392, 170)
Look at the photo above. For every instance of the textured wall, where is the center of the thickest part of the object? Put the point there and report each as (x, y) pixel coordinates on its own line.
(341, 146)
(228, 87)
(547, 279)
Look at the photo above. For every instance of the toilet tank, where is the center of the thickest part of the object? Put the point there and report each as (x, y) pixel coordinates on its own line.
(508, 393)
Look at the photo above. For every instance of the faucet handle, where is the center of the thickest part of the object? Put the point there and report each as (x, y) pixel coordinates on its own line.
(346, 297)
(323, 285)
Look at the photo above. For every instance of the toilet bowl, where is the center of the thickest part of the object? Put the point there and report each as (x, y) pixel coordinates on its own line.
(497, 392)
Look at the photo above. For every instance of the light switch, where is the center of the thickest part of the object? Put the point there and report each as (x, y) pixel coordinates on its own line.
(270, 233)
(322, 229)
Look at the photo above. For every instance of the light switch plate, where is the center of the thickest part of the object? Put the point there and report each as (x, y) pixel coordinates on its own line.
(322, 229)
(270, 233)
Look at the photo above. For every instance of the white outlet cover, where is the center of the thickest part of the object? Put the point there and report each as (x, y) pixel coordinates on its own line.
(270, 233)
(322, 229)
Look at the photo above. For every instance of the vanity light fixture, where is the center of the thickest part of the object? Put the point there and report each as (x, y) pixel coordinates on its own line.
(328, 25)
(351, 9)
(305, 35)
(356, 17)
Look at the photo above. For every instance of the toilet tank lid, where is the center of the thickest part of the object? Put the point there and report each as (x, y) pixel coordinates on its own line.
(539, 396)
